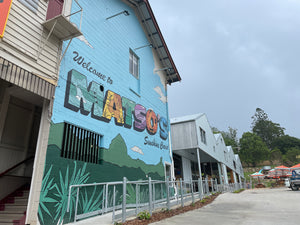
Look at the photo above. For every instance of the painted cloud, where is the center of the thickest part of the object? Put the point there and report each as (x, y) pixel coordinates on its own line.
(158, 90)
(137, 149)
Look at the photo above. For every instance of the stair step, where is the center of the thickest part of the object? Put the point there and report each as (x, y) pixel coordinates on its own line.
(12, 211)
(12, 216)
(26, 194)
(6, 222)
(10, 207)
(19, 200)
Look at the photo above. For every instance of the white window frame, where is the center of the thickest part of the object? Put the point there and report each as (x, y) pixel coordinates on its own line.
(134, 64)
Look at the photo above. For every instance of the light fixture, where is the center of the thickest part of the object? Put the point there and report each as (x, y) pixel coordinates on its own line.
(125, 12)
(165, 68)
(150, 45)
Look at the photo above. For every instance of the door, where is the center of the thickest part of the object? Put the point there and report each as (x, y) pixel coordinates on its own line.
(55, 8)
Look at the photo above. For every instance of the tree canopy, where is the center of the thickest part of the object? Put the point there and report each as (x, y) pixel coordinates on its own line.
(286, 142)
(265, 128)
(253, 149)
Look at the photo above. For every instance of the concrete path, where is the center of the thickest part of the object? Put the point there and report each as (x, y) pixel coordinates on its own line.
(279, 206)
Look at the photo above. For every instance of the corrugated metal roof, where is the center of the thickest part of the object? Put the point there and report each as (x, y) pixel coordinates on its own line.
(186, 118)
(154, 34)
(217, 136)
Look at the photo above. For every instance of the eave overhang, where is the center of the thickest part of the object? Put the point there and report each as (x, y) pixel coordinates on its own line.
(155, 36)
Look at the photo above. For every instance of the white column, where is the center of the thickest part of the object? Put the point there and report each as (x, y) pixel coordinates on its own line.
(225, 173)
(38, 167)
(220, 173)
(200, 172)
(234, 177)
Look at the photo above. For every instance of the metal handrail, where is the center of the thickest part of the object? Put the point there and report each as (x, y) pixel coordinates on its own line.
(184, 190)
(15, 166)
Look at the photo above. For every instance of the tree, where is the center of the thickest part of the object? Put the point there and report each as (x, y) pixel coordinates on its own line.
(230, 137)
(292, 156)
(275, 155)
(265, 128)
(285, 142)
(252, 149)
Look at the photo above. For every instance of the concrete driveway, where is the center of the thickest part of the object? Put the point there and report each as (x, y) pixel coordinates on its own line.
(279, 206)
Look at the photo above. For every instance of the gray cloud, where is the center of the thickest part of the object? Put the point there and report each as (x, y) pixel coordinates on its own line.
(234, 56)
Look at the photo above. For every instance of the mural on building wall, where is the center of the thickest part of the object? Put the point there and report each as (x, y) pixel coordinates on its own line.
(96, 96)
(113, 164)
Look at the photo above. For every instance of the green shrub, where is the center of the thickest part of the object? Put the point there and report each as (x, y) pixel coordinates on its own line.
(144, 215)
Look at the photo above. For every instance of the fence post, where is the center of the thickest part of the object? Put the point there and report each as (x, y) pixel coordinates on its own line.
(212, 185)
(176, 182)
(181, 192)
(150, 196)
(106, 197)
(193, 200)
(168, 194)
(206, 185)
(124, 200)
(103, 199)
(114, 204)
(136, 198)
(76, 205)
(200, 188)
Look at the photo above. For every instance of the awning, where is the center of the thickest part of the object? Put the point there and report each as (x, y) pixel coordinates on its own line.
(24, 79)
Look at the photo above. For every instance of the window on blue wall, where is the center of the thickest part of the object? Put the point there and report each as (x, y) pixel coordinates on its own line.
(31, 4)
(80, 144)
(134, 64)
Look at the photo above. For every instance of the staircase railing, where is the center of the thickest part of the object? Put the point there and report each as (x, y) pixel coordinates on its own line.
(16, 166)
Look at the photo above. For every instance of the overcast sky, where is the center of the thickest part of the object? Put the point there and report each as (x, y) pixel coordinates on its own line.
(234, 56)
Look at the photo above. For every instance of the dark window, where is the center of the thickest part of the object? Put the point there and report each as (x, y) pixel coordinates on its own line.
(80, 144)
(202, 135)
(134, 64)
(177, 165)
(55, 8)
(31, 4)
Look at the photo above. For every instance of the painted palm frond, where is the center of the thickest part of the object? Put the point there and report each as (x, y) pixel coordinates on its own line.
(93, 202)
(78, 177)
(44, 198)
(131, 194)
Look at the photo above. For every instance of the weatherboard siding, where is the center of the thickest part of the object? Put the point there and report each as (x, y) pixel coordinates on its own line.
(22, 40)
(184, 135)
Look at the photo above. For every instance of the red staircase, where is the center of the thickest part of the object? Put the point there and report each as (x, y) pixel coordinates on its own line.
(13, 207)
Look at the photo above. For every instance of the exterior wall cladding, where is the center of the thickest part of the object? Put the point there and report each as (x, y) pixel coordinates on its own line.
(97, 93)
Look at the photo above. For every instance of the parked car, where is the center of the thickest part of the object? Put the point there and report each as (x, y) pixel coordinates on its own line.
(295, 180)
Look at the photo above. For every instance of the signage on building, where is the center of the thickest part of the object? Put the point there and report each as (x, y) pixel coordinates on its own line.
(4, 9)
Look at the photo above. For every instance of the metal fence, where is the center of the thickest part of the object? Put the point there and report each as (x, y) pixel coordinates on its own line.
(128, 198)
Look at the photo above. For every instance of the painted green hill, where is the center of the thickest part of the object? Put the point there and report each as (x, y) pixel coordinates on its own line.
(116, 154)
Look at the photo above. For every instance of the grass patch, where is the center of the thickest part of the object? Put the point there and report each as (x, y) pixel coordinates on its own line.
(238, 191)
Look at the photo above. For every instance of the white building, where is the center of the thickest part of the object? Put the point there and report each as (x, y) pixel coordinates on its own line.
(198, 152)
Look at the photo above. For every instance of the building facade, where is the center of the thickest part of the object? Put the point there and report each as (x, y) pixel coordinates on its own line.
(108, 118)
(199, 153)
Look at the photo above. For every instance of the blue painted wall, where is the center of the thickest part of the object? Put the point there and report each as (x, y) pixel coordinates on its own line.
(105, 47)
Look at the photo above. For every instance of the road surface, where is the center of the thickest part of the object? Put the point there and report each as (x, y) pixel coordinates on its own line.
(279, 206)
